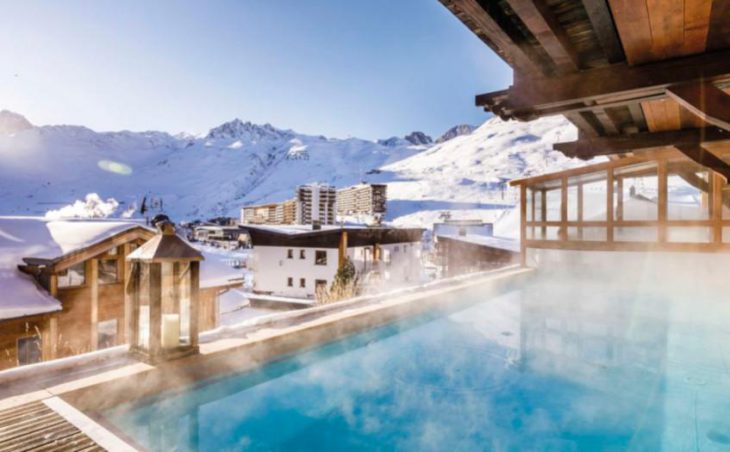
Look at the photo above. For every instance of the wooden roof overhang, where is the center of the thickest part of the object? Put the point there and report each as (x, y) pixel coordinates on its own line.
(72, 258)
(630, 74)
(330, 238)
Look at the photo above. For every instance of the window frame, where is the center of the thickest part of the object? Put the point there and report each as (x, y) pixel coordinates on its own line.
(302, 254)
(318, 260)
(290, 253)
(98, 271)
(302, 283)
(35, 338)
(64, 274)
(289, 281)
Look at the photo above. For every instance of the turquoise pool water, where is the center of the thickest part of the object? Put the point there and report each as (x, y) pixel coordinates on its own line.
(546, 367)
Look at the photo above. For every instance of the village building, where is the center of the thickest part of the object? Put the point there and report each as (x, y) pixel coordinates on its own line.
(297, 261)
(363, 199)
(463, 227)
(316, 203)
(222, 236)
(65, 286)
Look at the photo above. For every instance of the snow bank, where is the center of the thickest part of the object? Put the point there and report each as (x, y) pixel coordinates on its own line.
(91, 207)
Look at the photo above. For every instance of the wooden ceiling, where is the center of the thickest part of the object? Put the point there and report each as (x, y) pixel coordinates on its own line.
(615, 68)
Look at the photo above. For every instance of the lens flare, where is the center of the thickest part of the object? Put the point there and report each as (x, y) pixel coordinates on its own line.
(115, 167)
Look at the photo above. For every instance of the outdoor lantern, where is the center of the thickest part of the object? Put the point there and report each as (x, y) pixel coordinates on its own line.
(163, 293)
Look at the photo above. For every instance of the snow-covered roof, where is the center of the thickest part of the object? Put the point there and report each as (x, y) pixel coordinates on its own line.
(501, 243)
(42, 238)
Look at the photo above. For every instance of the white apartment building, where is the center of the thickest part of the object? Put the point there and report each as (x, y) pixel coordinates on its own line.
(316, 203)
(362, 199)
(293, 260)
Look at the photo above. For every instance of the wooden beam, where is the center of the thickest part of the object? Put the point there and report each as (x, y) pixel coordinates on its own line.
(704, 100)
(603, 26)
(609, 127)
(523, 224)
(93, 275)
(155, 298)
(126, 275)
(609, 205)
(662, 200)
(563, 231)
(531, 97)
(583, 124)
(194, 302)
(587, 148)
(706, 158)
(541, 22)
(716, 207)
(476, 18)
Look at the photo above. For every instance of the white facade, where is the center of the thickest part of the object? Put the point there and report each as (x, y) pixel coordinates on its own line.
(277, 273)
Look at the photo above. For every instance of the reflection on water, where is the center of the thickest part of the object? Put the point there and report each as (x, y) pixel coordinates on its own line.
(549, 366)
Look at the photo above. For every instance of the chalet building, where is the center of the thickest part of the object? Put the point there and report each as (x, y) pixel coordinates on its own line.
(362, 199)
(463, 253)
(652, 98)
(63, 284)
(294, 261)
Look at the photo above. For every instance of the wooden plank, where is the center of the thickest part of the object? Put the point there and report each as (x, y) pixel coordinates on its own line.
(71, 259)
(666, 19)
(580, 210)
(603, 26)
(697, 24)
(637, 115)
(93, 275)
(716, 208)
(582, 123)
(705, 100)
(543, 211)
(541, 22)
(591, 147)
(661, 115)
(632, 22)
(530, 96)
(609, 127)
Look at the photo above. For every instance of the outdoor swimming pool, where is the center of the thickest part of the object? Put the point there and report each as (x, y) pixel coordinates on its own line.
(548, 366)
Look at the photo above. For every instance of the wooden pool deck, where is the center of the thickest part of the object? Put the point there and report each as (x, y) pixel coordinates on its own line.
(35, 426)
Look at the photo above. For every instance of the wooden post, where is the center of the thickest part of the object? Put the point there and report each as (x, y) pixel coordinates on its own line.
(53, 336)
(176, 287)
(194, 302)
(155, 286)
(94, 287)
(342, 250)
(543, 213)
(563, 232)
(126, 275)
(717, 183)
(620, 198)
(532, 216)
(133, 294)
(662, 200)
(580, 211)
(609, 205)
(523, 224)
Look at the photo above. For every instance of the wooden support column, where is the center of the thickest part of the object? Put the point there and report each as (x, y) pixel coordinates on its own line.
(93, 275)
(543, 213)
(155, 287)
(580, 211)
(620, 198)
(342, 250)
(126, 276)
(533, 209)
(523, 224)
(176, 286)
(609, 205)
(716, 207)
(194, 302)
(662, 200)
(563, 233)
(132, 293)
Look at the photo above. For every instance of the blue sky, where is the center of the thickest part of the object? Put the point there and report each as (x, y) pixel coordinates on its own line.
(341, 68)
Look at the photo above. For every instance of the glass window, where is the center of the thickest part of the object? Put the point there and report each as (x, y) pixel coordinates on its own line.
(108, 271)
(107, 332)
(290, 282)
(302, 254)
(320, 257)
(302, 282)
(29, 350)
(290, 254)
(73, 276)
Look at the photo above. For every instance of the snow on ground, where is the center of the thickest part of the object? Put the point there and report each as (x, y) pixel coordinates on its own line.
(240, 163)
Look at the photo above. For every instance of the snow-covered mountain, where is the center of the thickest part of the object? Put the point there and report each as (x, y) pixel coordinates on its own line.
(456, 131)
(237, 163)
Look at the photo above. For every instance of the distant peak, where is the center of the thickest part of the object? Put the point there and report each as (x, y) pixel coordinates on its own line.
(246, 130)
(11, 122)
(418, 138)
(461, 129)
